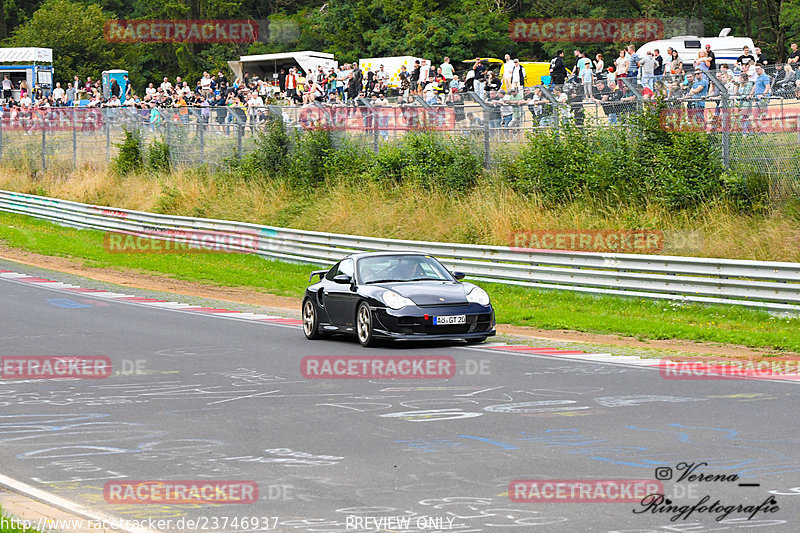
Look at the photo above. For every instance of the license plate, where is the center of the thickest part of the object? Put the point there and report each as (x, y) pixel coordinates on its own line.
(449, 320)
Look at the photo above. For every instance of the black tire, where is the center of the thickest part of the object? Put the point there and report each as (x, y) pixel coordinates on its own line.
(364, 325)
(475, 340)
(310, 320)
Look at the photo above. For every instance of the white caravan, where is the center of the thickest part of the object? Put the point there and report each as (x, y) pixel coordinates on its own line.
(726, 48)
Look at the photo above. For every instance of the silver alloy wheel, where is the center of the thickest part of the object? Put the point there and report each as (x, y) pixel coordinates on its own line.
(309, 319)
(364, 324)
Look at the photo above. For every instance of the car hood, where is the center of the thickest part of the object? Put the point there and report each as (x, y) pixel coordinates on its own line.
(430, 292)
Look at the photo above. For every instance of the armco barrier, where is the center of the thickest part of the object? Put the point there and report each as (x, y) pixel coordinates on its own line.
(768, 285)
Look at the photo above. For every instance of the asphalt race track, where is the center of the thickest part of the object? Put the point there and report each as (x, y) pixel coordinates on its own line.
(207, 397)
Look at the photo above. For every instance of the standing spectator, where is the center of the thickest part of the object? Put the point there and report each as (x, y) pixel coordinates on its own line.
(599, 66)
(517, 76)
(205, 84)
(58, 94)
(447, 70)
(794, 57)
(697, 93)
(115, 88)
(516, 99)
(746, 58)
(405, 84)
(480, 77)
(633, 62)
(587, 78)
(648, 64)
(710, 54)
(414, 78)
(761, 59)
(622, 65)
(558, 70)
(506, 109)
(703, 62)
(424, 75)
(676, 64)
(70, 94)
(382, 77)
(291, 86)
(166, 86)
(761, 88)
(8, 87)
(508, 72)
(658, 72)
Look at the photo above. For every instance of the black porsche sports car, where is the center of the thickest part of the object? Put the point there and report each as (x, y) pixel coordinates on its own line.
(402, 296)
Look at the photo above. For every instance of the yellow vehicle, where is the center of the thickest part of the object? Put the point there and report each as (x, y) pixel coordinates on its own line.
(534, 70)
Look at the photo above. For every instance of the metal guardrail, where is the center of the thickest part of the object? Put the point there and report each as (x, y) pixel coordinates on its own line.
(768, 285)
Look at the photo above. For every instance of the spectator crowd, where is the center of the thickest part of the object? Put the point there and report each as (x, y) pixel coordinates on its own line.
(615, 85)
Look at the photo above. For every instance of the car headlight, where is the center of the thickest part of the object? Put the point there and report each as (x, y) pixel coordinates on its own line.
(478, 296)
(395, 301)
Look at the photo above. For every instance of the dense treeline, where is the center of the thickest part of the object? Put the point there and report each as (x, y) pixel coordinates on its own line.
(351, 29)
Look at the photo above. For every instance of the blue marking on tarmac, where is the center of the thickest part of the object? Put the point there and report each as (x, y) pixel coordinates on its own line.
(66, 303)
(502, 445)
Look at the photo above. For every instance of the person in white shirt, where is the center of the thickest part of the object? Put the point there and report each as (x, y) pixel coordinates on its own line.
(424, 70)
(150, 91)
(166, 86)
(25, 101)
(58, 93)
(508, 72)
(382, 76)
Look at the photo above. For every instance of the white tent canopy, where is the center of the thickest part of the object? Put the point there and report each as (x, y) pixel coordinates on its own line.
(29, 55)
(264, 64)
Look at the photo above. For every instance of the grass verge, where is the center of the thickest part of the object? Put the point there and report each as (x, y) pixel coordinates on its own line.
(644, 319)
(13, 525)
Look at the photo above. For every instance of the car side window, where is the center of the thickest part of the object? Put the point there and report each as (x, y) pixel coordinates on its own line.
(342, 267)
(346, 267)
(332, 272)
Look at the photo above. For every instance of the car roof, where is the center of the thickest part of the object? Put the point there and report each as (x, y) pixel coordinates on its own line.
(362, 255)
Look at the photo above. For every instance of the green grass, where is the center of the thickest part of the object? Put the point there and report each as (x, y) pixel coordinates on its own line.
(521, 306)
(6, 522)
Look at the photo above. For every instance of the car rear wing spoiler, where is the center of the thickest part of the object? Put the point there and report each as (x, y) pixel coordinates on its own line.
(319, 273)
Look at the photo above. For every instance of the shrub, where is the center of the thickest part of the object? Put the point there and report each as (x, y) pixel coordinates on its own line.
(158, 156)
(429, 160)
(129, 158)
(307, 162)
(272, 150)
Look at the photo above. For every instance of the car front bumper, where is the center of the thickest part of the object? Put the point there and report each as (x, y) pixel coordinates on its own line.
(416, 323)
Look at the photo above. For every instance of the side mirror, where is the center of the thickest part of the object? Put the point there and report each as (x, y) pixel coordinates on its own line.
(459, 275)
(344, 279)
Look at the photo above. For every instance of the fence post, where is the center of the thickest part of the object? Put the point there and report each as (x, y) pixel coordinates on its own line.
(108, 139)
(1, 138)
(168, 127)
(74, 139)
(44, 147)
(201, 139)
(239, 135)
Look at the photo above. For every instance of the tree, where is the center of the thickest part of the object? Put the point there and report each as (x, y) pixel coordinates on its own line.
(75, 33)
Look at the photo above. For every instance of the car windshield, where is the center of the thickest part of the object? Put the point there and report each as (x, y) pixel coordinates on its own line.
(392, 268)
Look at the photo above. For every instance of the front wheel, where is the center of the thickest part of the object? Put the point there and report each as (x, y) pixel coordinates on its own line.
(364, 325)
(310, 320)
(475, 340)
